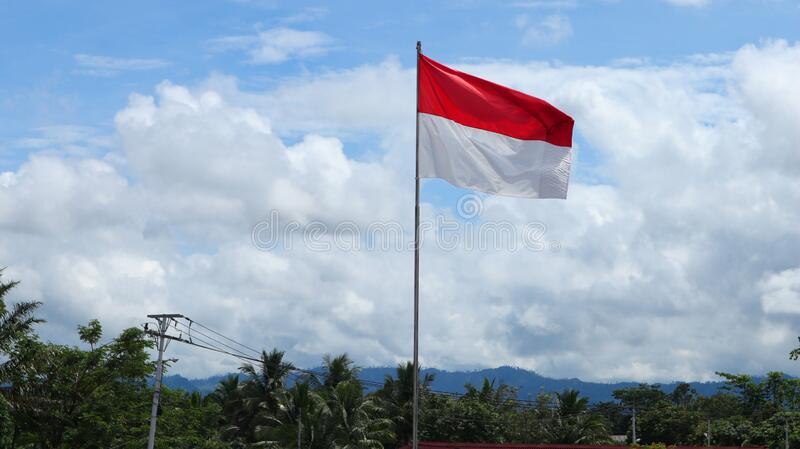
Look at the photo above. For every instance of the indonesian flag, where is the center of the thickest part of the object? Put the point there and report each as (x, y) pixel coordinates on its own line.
(482, 136)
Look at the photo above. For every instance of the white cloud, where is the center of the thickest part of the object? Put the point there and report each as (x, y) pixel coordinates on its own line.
(106, 65)
(276, 45)
(781, 292)
(548, 31)
(690, 241)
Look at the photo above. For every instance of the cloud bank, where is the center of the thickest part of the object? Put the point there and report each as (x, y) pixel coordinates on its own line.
(678, 248)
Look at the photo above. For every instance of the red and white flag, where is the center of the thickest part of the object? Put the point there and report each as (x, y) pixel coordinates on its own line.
(482, 136)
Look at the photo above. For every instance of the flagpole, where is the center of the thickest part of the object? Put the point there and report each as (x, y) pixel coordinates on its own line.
(415, 412)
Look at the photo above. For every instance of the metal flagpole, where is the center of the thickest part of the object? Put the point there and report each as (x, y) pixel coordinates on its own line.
(415, 412)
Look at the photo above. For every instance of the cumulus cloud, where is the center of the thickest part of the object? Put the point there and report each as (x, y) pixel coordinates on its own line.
(781, 292)
(692, 240)
(276, 45)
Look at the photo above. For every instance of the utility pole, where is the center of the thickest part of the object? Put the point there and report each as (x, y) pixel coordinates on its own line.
(634, 426)
(708, 433)
(163, 324)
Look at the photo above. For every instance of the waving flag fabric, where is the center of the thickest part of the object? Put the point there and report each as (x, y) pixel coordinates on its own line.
(482, 136)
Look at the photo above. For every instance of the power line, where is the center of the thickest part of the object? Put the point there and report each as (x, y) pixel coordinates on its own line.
(234, 352)
(211, 343)
(223, 336)
(191, 333)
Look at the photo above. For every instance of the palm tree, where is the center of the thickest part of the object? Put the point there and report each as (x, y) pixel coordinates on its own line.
(267, 378)
(15, 324)
(503, 398)
(260, 392)
(338, 369)
(360, 422)
(228, 395)
(574, 424)
(301, 404)
(397, 397)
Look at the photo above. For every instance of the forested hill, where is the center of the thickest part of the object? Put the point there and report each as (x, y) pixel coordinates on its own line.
(529, 382)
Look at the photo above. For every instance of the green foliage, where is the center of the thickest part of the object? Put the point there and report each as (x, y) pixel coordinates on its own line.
(469, 418)
(641, 396)
(795, 354)
(6, 424)
(573, 424)
(60, 396)
(16, 325)
(334, 412)
(91, 333)
(396, 398)
(58, 392)
(668, 423)
(746, 413)
(338, 369)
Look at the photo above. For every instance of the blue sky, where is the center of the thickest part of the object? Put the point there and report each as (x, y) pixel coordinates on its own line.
(142, 142)
(43, 84)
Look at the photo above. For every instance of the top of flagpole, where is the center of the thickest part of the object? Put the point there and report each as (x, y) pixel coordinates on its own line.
(419, 47)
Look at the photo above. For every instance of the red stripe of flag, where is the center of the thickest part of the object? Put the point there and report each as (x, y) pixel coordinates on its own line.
(478, 103)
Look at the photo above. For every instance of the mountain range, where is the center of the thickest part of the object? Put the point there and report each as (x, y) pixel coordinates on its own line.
(528, 382)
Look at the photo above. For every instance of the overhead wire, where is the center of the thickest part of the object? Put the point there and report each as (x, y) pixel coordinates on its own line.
(192, 333)
(208, 342)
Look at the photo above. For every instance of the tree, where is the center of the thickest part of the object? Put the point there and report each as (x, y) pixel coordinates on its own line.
(360, 421)
(764, 399)
(91, 333)
(530, 424)
(464, 419)
(228, 396)
(260, 393)
(302, 404)
(618, 420)
(668, 423)
(397, 396)
(62, 395)
(574, 423)
(6, 424)
(480, 415)
(338, 369)
(683, 395)
(15, 324)
(640, 396)
(187, 421)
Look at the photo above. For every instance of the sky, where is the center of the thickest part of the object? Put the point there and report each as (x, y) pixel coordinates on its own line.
(230, 160)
